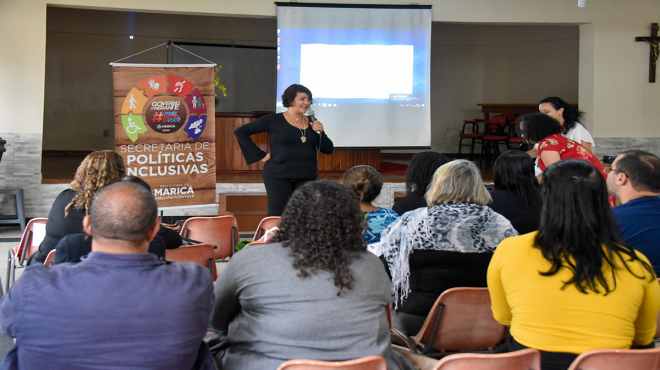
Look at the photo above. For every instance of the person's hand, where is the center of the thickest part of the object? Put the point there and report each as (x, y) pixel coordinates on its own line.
(266, 158)
(317, 126)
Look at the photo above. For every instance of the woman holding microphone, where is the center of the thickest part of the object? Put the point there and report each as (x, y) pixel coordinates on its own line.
(294, 141)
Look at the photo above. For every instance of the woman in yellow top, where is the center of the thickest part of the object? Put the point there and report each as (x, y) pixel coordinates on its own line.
(572, 286)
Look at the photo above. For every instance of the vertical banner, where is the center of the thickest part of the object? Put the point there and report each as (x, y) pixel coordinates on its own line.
(165, 129)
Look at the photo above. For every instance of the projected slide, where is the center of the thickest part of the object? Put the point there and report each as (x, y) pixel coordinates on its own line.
(360, 66)
(368, 69)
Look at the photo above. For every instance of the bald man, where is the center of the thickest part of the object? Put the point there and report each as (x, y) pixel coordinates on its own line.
(120, 308)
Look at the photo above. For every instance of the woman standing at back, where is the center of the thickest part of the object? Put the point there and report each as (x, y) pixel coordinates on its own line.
(573, 286)
(567, 116)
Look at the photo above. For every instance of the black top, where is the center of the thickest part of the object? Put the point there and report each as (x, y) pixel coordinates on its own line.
(290, 157)
(408, 203)
(433, 272)
(523, 217)
(58, 225)
(73, 247)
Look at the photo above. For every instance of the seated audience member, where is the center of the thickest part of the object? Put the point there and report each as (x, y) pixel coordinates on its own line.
(120, 307)
(418, 176)
(568, 117)
(551, 146)
(316, 293)
(516, 191)
(447, 244)
(366, 183)
(573, 287)
(65, 217)
(634, 179)
(73, 247)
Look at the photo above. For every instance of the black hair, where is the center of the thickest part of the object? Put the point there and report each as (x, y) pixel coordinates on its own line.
(365, 181)
(577, 229)
(514, 172)
(570, 114)
(322, 227)
(538, 126)
(123, 211)
(421, 169)
(642, 168)
(289, 94)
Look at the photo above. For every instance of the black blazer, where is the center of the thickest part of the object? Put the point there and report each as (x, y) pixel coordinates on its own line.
(408, 203)
(523, 216)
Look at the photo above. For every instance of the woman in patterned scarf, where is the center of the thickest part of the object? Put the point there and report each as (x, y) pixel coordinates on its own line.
(447, 244)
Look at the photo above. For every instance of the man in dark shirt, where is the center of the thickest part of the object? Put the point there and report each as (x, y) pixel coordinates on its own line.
(120, 308)
(635, 181)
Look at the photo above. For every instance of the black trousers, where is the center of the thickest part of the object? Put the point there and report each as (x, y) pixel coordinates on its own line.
(279, 191)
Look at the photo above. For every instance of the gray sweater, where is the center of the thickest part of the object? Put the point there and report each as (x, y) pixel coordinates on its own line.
(271, 315)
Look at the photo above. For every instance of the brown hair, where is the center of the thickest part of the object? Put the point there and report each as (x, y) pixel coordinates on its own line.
(98, 169)
(365, 181)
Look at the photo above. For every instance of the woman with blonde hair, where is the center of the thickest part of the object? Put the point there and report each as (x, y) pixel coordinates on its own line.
(452, 240)
(98, 169)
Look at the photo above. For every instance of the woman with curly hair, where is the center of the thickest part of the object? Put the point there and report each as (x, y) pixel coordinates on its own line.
(98, 169)
(316, 293)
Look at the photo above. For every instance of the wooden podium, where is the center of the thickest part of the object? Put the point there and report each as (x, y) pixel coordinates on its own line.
(230, 161)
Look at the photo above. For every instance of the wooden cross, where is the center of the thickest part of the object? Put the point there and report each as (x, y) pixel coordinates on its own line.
(653, 41)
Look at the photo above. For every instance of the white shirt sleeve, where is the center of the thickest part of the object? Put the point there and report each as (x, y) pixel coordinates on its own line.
(580, 134)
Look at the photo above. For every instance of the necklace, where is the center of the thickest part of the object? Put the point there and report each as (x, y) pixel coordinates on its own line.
(303, 131)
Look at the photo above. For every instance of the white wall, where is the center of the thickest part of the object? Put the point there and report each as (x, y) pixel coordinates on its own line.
(622, 102)
(491, 63)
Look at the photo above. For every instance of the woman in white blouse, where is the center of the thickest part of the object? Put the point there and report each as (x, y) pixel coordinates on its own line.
(567, 116)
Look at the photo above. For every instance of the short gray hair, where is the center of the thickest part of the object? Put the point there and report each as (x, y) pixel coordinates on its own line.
(457, 181)
(123, 211)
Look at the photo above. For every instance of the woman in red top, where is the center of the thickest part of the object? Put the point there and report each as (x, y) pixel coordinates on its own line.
(552, 145)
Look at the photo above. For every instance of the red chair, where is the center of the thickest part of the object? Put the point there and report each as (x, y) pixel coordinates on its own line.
(265, 224)
(201, 254)
(50, 258)
(526, 359)
(460, 320)
(364, 363)
(628, 359)
(495, 134)
(470, 132)
(33, 234)
(219, 231)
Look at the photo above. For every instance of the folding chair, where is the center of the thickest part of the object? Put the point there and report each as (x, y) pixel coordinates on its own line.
(50, 259)
(364, 363)
(33, 234)
(526, 359)
(266, 224)
(628, 359)
(201, 254)
(460, 320)
(219, 231)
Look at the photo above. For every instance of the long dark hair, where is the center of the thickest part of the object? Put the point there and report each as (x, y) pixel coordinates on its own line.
(514, 172)
(537, 126)
(421, 169)
(322, 227)
(577, 229)
(570, 114)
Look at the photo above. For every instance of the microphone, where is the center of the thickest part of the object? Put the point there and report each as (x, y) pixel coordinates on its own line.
(312, 117)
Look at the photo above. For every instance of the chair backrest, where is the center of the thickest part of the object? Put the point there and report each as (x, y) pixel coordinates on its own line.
(628, 359)
(50, 258)
(461, 320)
(364, 363)
(201, 254)
(657, 323)
(266, 223)
(33, 235)
(526, 359)
(219, 231)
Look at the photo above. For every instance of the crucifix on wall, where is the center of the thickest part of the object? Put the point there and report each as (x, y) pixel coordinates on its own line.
(653, 41)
